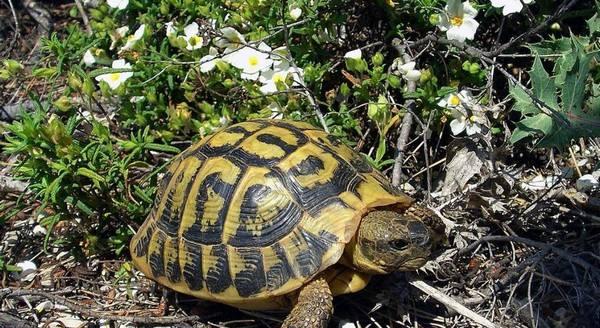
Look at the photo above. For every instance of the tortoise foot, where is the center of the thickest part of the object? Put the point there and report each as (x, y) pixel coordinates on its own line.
(314, 307)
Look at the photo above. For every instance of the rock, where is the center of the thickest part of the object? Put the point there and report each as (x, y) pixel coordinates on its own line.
(38, 230)
(346, 324)
(586, 183)
(44, 306)
(28, 271)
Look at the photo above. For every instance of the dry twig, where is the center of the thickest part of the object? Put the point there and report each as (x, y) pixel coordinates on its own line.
(407, 121)
(450, 302)
(88, 312)
(84, 17)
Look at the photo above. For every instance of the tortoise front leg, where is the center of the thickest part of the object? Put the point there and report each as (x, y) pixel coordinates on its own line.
(314, 307)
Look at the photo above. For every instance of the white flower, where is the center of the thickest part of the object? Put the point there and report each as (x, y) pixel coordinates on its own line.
(281, 58)
(354, 54)
(459, 21)
(192, 36)
(276, 110)
(271, 79)
(231, 40)
(409, 72)
(223, 120)
(171, 30)
(133, 39)
(251, 61)
(117, 35)
(119, 4)
(274, 78)
(88, 58)
(510, 6)
(295, 12)
(463, 120)
(114, 80)
(207, 63)
(136, 99)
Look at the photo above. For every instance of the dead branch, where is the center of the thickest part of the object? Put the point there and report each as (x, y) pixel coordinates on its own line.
(11, 320)
(8, 184)
(564, 254)
(84, 17)
(407, 121)
(39, 14)
(449, 302)
(88, 312)
(306, 92)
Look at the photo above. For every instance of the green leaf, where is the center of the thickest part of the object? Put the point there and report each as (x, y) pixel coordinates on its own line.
(101, 71)
(572, 75)
(574, 86)
(523, 102)
(594, 24)
(543, 85)
(539, 124)
(162, 147)
(84, 171)
(381, 148)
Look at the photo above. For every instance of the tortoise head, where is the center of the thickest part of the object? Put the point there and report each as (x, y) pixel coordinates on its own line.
(388, 241)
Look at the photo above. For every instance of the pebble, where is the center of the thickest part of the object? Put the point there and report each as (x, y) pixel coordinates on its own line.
(586, 183)
(44, 306)
(346, 324)
(38, 230)
(28, 271)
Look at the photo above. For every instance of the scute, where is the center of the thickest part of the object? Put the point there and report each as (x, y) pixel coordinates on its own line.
(255, 210)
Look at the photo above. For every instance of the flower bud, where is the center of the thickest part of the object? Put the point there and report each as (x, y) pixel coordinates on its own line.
(74, 81)
(377, 59)
(344, 89)
(63, 104)
(228, 83)
(13, 66)
(474, 68)
(222, 66)
(434, 19)
(88, 87)
(466, 65)
(426, 75)
(394, 81)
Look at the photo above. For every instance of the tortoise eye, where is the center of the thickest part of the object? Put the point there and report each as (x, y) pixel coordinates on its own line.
(399, 244)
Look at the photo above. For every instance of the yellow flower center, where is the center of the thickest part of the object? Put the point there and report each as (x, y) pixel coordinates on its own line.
(279, 78)
(454, 100)
(114, 77)
(253, 60)
(195, 40)
(472, 119)
(456, 21)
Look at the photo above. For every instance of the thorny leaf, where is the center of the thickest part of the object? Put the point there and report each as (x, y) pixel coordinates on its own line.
(571, 75)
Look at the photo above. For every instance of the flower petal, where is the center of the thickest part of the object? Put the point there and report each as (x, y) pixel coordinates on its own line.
(473, 128)
(119, 4)
(457, 126)
(469, 10)
(207, 63)
(354, 54)
(413, 75)
(191, 30)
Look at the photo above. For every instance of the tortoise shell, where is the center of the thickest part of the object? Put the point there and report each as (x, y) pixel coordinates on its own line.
(256, 210)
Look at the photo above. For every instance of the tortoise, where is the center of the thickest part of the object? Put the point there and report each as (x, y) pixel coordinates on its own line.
(276, 214)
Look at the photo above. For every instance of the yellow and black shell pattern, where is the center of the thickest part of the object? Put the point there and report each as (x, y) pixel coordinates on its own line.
(256, 210)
